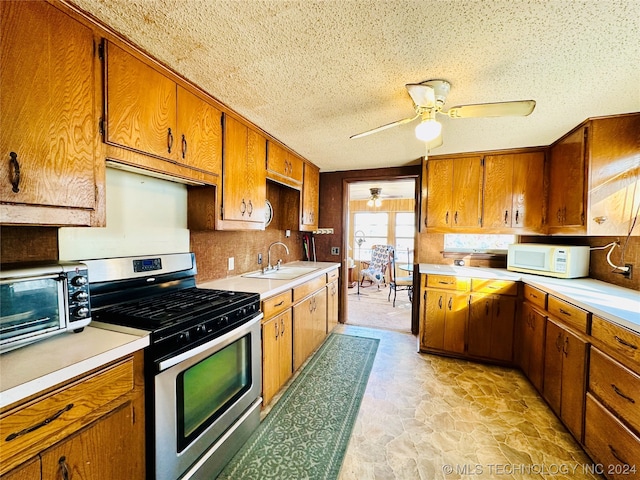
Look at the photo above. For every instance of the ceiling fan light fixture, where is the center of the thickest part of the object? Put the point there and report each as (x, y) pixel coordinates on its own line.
(428, 130)
(375, 199)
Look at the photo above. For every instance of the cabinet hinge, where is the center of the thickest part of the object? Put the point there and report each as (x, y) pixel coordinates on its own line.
(482, 162)
(101, 51)
(101, 125)
(221, 211)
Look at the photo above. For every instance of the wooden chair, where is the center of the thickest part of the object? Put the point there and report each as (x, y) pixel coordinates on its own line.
(404, 281)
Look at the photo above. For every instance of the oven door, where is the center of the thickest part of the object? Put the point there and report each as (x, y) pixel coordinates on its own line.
(32, 309)
(200, 395)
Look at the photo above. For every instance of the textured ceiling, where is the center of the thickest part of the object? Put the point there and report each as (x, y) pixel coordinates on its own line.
(313, 72)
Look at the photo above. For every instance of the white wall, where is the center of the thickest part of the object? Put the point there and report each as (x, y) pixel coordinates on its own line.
(145, 215)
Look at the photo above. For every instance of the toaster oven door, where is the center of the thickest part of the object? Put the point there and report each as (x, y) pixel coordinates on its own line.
(31, 309)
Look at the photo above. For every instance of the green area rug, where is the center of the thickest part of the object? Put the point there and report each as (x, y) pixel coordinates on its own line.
(305, 435)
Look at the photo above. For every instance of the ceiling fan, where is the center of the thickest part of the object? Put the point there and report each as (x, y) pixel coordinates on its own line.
(429, 98)
(377, 197)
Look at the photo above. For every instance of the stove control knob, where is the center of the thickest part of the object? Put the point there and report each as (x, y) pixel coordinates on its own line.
(201, 330)
(224, 320)
(183, 338)
(81, 296)
(82, 312)
(79, 281)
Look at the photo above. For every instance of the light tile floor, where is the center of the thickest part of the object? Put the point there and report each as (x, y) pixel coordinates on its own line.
(428, 417)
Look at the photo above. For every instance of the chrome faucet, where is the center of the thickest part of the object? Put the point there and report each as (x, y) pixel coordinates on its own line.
(269, 267)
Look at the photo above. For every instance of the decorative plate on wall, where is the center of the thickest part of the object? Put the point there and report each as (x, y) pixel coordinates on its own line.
(268, 213)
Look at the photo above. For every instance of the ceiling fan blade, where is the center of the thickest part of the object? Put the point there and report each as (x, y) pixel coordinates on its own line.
(499, 109)
(384, 127)
(421, 94)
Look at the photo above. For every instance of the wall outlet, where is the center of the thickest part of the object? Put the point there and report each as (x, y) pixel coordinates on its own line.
(232, 264)
(628, 274)
(259, 259)
(335, 250)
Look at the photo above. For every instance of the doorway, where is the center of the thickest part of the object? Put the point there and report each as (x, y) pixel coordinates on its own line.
(380, 212)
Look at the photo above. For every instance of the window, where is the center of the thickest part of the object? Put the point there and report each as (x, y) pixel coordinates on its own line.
(405, 232)
(375, 229)
(477, 243)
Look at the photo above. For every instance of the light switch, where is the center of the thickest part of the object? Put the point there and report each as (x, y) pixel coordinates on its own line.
(232, 263)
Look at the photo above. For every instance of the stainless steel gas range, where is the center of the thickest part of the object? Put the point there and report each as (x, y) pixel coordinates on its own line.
(203, 365)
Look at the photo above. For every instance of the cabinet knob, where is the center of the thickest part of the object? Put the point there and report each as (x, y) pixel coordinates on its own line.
(15, 177)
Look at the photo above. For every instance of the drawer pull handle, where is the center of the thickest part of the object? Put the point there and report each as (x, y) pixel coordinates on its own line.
(626, 344)
(533, 295)
(64, 470)
(564, 312)
(35, 427)
(617, 455)
(278, 304)
(15, 179)
(619, 392)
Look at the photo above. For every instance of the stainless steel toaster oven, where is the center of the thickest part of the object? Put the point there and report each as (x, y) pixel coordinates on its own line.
(39, 301)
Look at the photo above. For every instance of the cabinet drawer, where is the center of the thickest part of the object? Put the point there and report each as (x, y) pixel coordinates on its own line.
(535, 296)
(307, 288)
(332, 275)
(273, 305)
(448, 282)
(499, 287)
(616, 386)
(570, 314)
(29, 429)
(619, 339)
(610, 443)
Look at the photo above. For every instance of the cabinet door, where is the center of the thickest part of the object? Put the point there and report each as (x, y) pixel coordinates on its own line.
(498, 191)
(533, 345)
(439, 193)
(467, 192)
(199, 134)
(285, 347)
(234, 178)
(27, 471)
(480, 320)
(553, 366)
(47, 122)
(270, 359)
(434, 308)
(283, 166)
(256, 176)
(567, 181)
(527, 191)
(310, 189)
(106, 449)
(502, 324)
(332, 305)
(574, 364)
(455, 325)
(141, 106)
(302, 331)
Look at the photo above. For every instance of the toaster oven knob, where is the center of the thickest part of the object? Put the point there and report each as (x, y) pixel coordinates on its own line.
(81, 296)
(79, 281)
(82, 312)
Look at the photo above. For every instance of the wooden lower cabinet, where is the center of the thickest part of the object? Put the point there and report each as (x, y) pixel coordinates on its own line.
(565, 375)
(332, 305)
(491, 320)
(610, 443)
(532, 342)
(309, 325)
(277, 352)
(98, 434)
(445, 321)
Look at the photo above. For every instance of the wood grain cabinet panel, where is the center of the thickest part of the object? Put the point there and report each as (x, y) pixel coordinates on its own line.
(491, 323)
(454, 193)
(565, 376)
(445, 321)
(28, 471)
(513, 192)
(332, 305)
(277, 354)
(310, 198)
(619, 341)
(283, 166)
(532, 344)
(48, 126)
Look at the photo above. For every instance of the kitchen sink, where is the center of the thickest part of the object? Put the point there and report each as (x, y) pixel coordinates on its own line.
(285, 273)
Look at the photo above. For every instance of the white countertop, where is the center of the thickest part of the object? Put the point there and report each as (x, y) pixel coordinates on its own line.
(611, 302)
(267, 287)
(33, 368)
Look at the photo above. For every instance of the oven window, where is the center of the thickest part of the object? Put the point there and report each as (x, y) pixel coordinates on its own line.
(29, 306)
(208, 388)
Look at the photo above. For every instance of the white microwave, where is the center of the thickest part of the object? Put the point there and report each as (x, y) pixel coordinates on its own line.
(560, 261)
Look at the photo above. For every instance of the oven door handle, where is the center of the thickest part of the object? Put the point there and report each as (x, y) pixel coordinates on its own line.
(245, 327)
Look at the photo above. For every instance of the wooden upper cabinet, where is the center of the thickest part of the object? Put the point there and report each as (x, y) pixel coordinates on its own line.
(48, 126)
(454, 193)
(310, 199)
(199, 133)
(141, 105)
(147, 112)
(514, 192)
(567, 183)
(244, 177)
(283, 166)
(614, 175)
